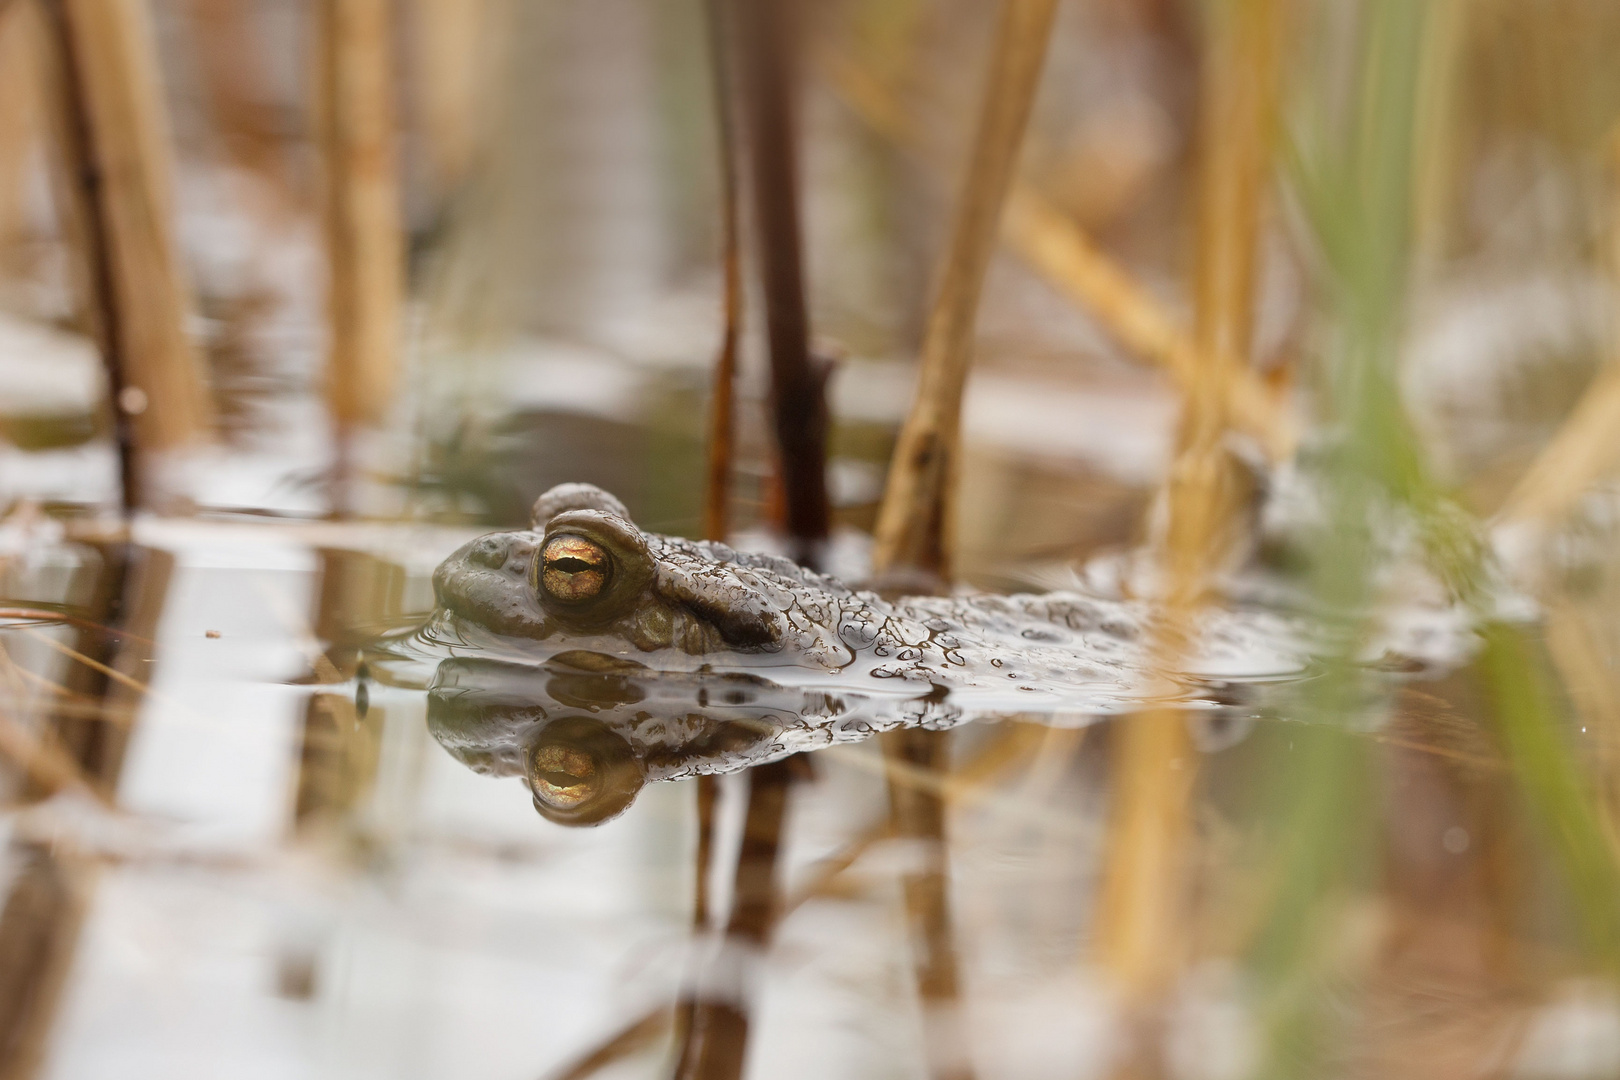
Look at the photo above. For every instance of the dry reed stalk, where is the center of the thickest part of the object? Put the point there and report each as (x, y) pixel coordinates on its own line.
(914, 529)
(112, 149)
(715, 1029)
(1587, 447)
(100, 746)
(1582, 452)
(1060, 250)
(918, 817)
(1058, 748)
(1137, 933)
(364, 238)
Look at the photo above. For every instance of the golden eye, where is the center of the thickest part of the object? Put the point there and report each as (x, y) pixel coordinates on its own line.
(563, 777)
(573, 569)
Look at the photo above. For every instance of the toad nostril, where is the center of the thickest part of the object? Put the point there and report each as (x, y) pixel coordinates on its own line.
(490, 552)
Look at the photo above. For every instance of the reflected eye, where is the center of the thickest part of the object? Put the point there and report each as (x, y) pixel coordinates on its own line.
(582, 773)
(573, 569)
(563, 777)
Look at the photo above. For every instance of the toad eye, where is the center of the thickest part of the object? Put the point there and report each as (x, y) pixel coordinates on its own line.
(563, 777)
(573, 569)
(582, 773)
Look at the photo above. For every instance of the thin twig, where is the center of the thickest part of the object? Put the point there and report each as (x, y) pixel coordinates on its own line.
(91, 662)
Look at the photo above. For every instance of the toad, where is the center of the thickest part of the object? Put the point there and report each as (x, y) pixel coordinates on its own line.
(590, 657)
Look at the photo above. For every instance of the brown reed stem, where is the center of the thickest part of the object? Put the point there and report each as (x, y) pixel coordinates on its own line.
(1582, 452)
(1058, 248)
(766, 73)
(42, 763)
(48, 898)
(718, 454)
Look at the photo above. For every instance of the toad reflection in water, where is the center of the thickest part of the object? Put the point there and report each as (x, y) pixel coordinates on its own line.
(590, 658)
